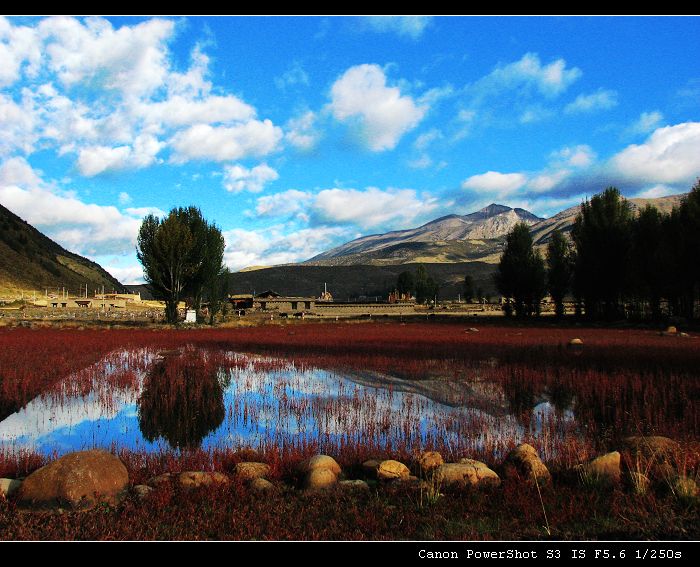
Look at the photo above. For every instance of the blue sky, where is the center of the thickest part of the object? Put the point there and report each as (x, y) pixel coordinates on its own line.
(297, 134)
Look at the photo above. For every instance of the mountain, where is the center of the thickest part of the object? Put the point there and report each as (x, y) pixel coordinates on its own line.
(451, 238)
(29, 260)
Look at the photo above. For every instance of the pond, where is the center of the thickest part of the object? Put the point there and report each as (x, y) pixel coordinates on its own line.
(203, 398)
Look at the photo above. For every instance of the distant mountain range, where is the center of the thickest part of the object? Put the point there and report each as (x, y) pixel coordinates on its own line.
(477, 236)
(30, 260)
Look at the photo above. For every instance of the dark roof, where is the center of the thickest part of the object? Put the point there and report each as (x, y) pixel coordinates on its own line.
(268, 293)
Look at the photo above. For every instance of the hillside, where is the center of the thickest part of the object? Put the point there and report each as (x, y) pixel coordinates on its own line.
(29, 260)
(351, 282)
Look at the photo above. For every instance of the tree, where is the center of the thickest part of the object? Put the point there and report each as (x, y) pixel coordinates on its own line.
(689, 218)
(469, 288)
(405, 283)
(647, 263)
(425, 286)
(603, 240)
(521, 274)
(559, 270)
(180, 254)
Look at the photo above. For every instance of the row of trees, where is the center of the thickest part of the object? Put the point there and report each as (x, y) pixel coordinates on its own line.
(419, 284)
(182, 258)
(616, 264)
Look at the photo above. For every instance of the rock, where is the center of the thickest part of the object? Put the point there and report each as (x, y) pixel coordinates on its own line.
(370, 468)
(391, 470)
(684, 487)
(575, 342)
(354, 484)
(465, 473)
(605, 467)
(473, 330)
(196, 479)
(651, 447)
(320, 462)
(142, 491)
(8, 486)
(78, 480)
(671, 330)
(156, 481)
(429, 460)
(251, 471)
(319, 478)
(524, 462)
(261, 485)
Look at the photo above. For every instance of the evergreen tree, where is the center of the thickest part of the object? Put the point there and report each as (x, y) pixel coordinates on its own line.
(469, 288)
(521, 276)
(559, 269)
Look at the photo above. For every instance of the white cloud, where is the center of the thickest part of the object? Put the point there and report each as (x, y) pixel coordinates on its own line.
(574, 156)
(655, 192)
(238, 178)
(547, 181)
(646, 123)
(500, 184)
(100, 159)
(295, 75)
(602, 99)
(127, 275)
(670, 155)
(300, 132)
(286, 203)
(423, 161)
(528, 73)
(224, 143)
(382, 114)
(124, 198)
(181, 111)
(16, 171)
(141, 212)
(371, 207)
(405, 26)
(424, 140)
(534, 114)
(18, 123)
(18, 45)
(272, 246)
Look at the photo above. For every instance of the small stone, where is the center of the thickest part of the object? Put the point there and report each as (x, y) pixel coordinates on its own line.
(317, 479)
(354, 484)
(391, 470)
(250, 470)
(370, 468)
(684, 487)
(159, 479)
(320, 462)
(261, 485)
(196, 479)
(429, 460)
(525, 463)
(605, 467)
(467, 472)
(8, 486)
(142, 491)
(575, 342)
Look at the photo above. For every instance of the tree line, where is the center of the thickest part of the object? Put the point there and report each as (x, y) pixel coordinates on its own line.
(615, 265)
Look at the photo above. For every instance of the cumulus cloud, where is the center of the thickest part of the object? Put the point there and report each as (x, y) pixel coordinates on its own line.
(183, 111)
(370, 207)
(499, 184)
(295, 75)
(669, 155)
(287, 203)
(381, 114)
(655, 192)
(529, 73)
(18, 48)
(224, 143)
(574, 156)
(646, 123)
(269, 247)
(300, 131)
(18, 125)
(238, 178)
(602, 99)
(100, 159)
(404, 26)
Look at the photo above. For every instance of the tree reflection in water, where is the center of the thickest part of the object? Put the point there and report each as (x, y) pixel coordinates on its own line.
(182, 400)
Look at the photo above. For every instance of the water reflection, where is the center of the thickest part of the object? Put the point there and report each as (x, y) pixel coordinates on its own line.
(182, 400)
(214, 399)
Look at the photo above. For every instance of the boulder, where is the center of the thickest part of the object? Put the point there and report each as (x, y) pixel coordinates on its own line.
(8, 486)
(261, 485)
(575, 343)
(141, 491)
(429, 460)
(523, 462)
(319, 462)
(605, 467)
(354, 484)
(197, 479)
(670, 331)
(653, 456)
(156, 481)
(250, 471)
(392, 470)
(465, 473)
(77, 480)
(319, 478)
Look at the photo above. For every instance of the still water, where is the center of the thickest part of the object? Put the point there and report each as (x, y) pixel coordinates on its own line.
(214, 399)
